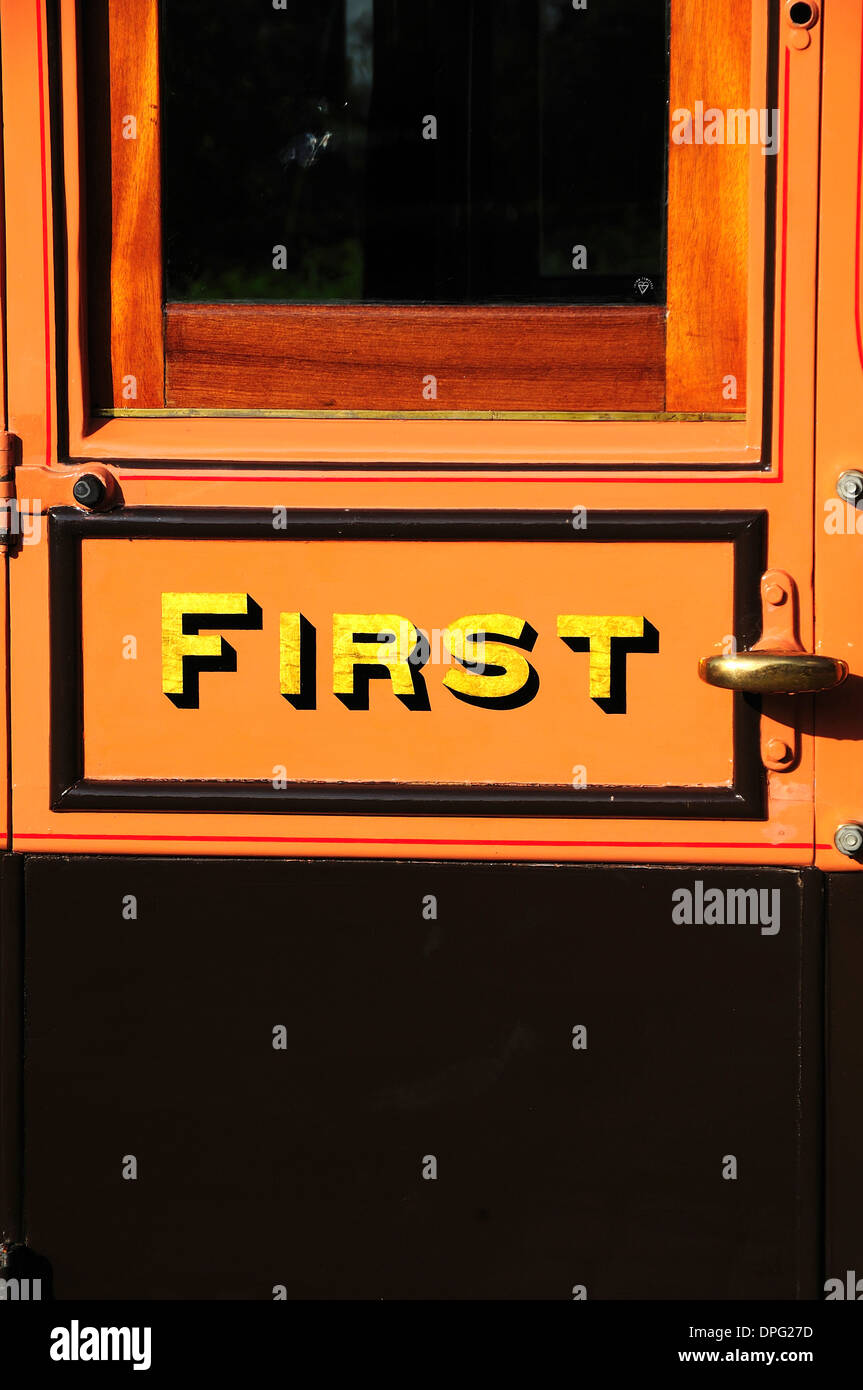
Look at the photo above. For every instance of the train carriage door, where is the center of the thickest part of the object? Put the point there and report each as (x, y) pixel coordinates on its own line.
(416, 695)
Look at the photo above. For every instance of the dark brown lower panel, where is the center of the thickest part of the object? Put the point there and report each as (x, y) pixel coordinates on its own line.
(428, 1013)
(11, 1049)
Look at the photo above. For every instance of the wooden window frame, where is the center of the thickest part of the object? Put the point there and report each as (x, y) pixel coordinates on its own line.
(529, 362)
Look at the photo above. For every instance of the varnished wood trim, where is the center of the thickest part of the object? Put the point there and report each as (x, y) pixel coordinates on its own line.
(708, 190)
(136, 209)
(346, 357)
(497, 361)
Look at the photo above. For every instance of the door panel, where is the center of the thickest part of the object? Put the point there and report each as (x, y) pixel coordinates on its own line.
(672, 745)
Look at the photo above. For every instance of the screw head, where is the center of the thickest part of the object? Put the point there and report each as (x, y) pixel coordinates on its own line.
(849, 838)
(88, 490)
(850, 485)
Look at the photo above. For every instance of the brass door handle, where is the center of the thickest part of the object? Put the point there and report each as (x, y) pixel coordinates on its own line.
(773, 673)
(777, 663)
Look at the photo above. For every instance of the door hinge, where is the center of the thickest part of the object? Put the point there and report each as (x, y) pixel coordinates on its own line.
(10, 453)
(29, 491)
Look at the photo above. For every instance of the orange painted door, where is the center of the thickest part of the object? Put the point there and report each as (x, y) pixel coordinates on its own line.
(260, 631)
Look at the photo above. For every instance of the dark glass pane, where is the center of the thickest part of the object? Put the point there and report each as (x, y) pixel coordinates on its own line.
(307, 128)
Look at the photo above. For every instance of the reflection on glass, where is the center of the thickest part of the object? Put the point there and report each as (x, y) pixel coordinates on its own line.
(415, 151)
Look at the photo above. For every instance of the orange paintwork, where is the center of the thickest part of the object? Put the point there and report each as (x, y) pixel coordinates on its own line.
(135, 731)
(189, 462)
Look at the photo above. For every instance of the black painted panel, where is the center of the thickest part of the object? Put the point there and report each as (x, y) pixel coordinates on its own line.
(11, 1046)
(406, 1038)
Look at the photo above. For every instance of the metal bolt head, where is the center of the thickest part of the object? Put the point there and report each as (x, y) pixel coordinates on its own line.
(802, 13)
(775, 595)
(849, 838)
(778, 751)
(88, 490)
(850, 485)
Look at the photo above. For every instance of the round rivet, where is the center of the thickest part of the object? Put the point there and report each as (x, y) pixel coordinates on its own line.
(88, 490)
(775, 595)
(777, 751)
(849, 839)
(799, 39)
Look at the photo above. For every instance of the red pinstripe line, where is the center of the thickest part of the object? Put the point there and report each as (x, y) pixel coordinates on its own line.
(45, 242)
(365, 478)
(859, 191)
(780, 433)
(363, 840)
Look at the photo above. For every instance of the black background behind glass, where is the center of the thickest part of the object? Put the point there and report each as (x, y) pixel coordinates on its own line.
(303, 128)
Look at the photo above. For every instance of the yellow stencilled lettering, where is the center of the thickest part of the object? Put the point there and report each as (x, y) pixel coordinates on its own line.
(607, 639)
(369, 646)
(488, 672)
(186, 652)
(297, 649)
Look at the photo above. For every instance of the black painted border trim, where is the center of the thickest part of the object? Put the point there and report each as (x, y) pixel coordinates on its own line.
(71, 791)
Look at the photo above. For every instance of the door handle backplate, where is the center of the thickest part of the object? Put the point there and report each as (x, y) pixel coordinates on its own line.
(777, 664)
